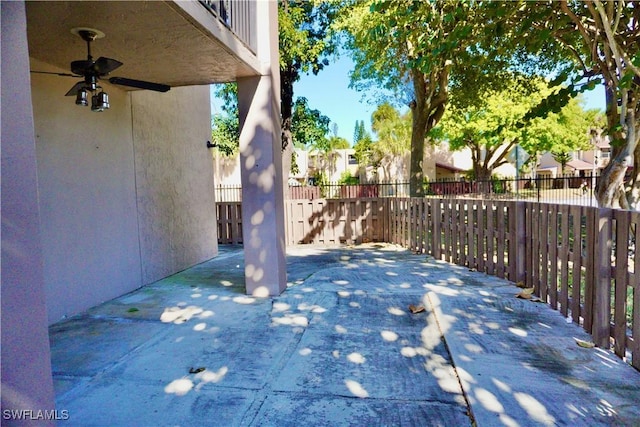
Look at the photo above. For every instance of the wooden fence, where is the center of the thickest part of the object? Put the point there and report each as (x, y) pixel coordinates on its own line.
(320, 221)
(334, 221)
(229, 216)
(580, 260)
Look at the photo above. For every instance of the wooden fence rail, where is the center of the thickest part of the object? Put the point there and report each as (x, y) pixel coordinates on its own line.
(580, 260)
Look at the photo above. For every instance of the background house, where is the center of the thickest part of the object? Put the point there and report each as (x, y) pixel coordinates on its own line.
(582, 163)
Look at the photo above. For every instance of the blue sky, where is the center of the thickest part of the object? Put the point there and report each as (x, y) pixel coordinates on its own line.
(329, 92)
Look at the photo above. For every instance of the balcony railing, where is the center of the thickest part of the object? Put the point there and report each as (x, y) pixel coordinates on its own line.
(239, 16)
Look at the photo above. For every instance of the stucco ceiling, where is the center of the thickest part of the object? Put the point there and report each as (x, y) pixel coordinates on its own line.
(155, 40)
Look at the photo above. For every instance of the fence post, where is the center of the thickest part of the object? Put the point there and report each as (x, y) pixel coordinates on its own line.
(602, 279)
(517, 242)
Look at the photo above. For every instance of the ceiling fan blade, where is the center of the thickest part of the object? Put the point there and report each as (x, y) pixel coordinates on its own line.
(74, 90)
(106, 65)
(81, 67)
(158, 87)
(55, 74)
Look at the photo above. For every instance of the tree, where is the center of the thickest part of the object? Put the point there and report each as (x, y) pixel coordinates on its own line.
(421, 46)
(492, 127)
(338, 143)
(359, 132)
(305, 45)
(600, 42)
(393, 132)
(225, 131)
(364, 152)
(562, 157)
(309, 127)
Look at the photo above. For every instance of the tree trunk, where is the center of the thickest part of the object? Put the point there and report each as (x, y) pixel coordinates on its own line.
(610, 190)
(431, 94)
(287, 78)
(418, 131)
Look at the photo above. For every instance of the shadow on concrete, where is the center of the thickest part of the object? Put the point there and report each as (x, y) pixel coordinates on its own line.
(340, 347)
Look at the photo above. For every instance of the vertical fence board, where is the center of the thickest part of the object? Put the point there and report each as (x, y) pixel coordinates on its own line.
(552, 284)
(576, 259)
(437, 233)
(471, 234)
(455, 241)
(517, 242)
(591, 270)
(529, 227)
(635, 284)
(621, 275)
(601, 293)
(446, 212)
(501, 238)
(480, 251)
(544, 251)
(464, 236)
(563, 297)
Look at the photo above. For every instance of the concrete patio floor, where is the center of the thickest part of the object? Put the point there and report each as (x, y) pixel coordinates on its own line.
(339, 348)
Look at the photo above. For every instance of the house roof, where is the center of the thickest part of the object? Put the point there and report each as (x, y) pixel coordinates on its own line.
(580, 165)
(448, 167)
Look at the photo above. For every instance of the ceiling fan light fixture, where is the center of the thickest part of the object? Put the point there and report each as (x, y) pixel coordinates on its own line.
(100, 102)
(82, 98)
(93, 70)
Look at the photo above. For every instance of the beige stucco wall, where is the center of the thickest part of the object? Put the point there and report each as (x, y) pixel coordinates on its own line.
(174, 176)
(87, 196)
(226, 169)
(122, 204)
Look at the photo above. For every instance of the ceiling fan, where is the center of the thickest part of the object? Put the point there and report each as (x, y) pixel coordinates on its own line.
(93, 70)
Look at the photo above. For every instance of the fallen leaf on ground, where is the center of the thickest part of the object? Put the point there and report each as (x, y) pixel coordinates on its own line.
(132, 310)
(521, 284)
(584, 344)
(526, 293)
(196, 370)
(416, 308)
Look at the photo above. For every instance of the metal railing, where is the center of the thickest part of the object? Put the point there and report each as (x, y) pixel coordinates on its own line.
(239, 16)
(569, 190)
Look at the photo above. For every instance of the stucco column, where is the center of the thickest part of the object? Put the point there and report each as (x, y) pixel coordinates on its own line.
(263, 229)
(26, 361)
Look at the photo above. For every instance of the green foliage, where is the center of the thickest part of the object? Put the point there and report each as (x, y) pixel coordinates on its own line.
(364, 151)
(347, 179)
(225, 134)
(338, 143)
(392, 129)
(418, 51)
(596, 42)
(295, 169)
(491, 127)
(225, 128)
(309, 127)
(359, 132)
(322, 180)
(306, 44)
(305, 38)
(562, 157)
